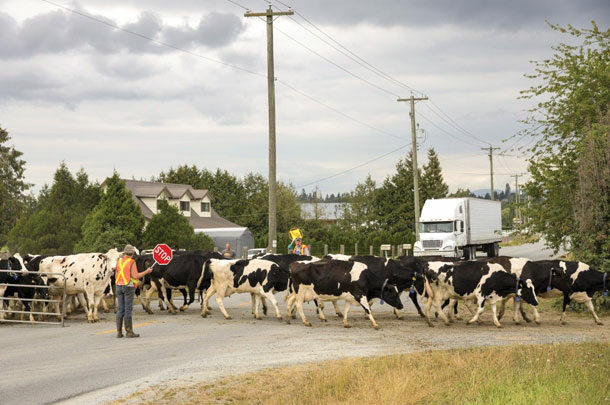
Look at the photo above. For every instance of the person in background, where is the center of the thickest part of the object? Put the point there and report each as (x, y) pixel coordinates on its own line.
(299, 248)
(127, 277)
(228, 253)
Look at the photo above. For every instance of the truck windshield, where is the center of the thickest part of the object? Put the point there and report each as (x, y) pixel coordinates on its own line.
(432, 227)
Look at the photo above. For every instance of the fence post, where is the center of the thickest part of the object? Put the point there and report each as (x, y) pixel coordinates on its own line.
(371, 250)
(244, 252)
(356, 249)
(325, 249)
(393, 250)
(342, 249)
(215, 249)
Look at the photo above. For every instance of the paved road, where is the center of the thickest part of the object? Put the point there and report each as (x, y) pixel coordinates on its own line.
(85, 363)
(533, 251)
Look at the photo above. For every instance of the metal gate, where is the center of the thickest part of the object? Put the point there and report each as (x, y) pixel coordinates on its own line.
(62, 300)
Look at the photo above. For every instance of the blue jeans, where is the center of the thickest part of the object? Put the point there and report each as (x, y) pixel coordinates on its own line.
(124, 295)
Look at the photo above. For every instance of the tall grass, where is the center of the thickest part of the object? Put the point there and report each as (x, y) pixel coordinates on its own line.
(537, 374)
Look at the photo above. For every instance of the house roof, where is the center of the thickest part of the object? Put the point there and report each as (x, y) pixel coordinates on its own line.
(140, 189)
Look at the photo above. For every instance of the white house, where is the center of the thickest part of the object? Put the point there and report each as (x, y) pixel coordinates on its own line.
(194, 204)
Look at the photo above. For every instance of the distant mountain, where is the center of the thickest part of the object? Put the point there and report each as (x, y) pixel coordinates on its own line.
(482, 191)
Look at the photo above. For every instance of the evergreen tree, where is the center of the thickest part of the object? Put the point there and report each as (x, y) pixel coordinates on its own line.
(13, 201)
(114, 222)
(54, 227)
(359, 212)
(171, 227)
(432, 184)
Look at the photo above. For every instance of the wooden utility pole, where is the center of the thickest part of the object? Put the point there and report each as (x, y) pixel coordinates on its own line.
(412, 101)
(517, 196)
(491, 169)
(269, 14)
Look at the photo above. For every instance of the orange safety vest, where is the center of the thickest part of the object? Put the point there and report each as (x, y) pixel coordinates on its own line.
(123, 266)
(303, 247)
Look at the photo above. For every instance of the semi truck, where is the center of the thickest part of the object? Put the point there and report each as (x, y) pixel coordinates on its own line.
(459, 227)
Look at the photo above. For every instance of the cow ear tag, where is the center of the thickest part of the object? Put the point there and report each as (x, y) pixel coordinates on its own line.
(412, 290)
(518, 299)
(549, 288)
(381, 301)
(606, 293)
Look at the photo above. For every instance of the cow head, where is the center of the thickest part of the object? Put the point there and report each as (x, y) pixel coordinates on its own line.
(525, 290)
(391, 295)
(113, 256)
(407, 272)
(35, 279)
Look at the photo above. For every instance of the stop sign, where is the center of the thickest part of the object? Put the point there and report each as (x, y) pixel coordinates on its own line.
(162, 254)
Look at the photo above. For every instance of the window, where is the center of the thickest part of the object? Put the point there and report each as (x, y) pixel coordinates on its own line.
(185, 206)
(434, 227)
(205, 207)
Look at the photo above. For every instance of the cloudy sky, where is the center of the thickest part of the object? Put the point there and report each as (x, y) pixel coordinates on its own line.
(76, 89)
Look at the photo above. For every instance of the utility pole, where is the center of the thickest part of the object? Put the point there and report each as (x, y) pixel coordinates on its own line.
(269, 14)
(491, 169)
(517, 196)
(412, 101)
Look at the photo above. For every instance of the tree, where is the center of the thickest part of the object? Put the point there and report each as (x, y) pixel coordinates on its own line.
(114, 222)
(394, 201)
(432, 184)
(359, 211)
(54, 227)
(13, 201)
(171, 227)
(460, 192)
(572, 95)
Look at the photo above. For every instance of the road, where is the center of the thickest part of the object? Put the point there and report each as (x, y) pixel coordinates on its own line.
(533, 251)
(85, 363)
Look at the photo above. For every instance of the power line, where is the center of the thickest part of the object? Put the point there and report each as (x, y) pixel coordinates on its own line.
(353, 168)
(452, 123)
(446, 132)
(458, 126)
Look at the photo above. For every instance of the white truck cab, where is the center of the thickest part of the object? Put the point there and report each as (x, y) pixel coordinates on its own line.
(458, 227)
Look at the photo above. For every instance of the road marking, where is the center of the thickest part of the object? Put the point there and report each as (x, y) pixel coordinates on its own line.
(136, 325)
(244, 304)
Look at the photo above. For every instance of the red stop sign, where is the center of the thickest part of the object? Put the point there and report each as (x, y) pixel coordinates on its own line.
(162, 254)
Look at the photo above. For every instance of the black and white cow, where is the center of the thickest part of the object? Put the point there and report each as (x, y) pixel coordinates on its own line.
(25, 292)
(576, 281)
(185, 271)
(473, 281)
(406, 273)
(260, 277)
(332, 280)
(85, 273)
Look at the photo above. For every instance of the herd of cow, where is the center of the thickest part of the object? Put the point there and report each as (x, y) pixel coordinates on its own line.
(356, 280)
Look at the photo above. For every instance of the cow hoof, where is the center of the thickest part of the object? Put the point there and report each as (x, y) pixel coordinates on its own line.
(228, 318)
(599, 322)
(293, 316)
(265, 310)
(204, 315)
(323, 320)
(430, 324)
(459, 318)
(279, 318)
(499, 326)
(399, 317)
(517, 322)
(183, 308)
(307, 323)
(564, 323)
(339, 315)
(347, 325)
(258, 318)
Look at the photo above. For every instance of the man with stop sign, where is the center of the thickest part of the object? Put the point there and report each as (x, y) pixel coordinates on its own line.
(127, 278)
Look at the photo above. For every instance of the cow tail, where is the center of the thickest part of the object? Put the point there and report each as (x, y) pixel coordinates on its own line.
(288, 290)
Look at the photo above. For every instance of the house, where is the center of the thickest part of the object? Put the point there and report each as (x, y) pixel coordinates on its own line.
(194, 204)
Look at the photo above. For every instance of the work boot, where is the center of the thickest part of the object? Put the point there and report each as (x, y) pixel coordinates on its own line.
(119, 327)
(129, 328)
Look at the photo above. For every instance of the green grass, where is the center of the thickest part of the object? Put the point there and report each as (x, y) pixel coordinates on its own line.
(518, 374)
(517, 239)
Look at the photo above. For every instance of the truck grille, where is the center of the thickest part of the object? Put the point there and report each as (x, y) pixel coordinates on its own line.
(432, 244)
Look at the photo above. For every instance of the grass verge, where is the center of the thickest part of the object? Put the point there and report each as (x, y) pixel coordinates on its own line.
(532, 374)
(517, 239)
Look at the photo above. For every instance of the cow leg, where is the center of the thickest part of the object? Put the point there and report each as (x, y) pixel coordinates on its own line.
(96, 303)
(516, 309)
(148, 297)
(168, 300)
(264, 302)
(480, 309)
(345, 311)
(337, 310)
(255, 312)
(524, 314)
(219, 296)
(494, 313)
(290, 306)
(441, 312)
(413, 296)
(321, 313)
(205, 311)
(365, 304)
(427, 311)
(589, 305)
(566, 301)
(105, 305)
(299, 303)
(536, 315)
(502, 308)
(188, 301)
(83, 302)
(254, 302)
(91, 304)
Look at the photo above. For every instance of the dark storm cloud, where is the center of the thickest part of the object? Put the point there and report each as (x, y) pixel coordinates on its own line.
(59, 31)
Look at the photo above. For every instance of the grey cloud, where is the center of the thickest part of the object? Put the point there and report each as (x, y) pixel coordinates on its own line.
(59, 31)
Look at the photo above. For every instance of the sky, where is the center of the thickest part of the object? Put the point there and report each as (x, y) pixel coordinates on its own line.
(75, 89)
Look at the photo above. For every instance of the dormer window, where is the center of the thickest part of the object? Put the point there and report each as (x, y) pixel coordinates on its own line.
(185, 206)
(205, 207)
